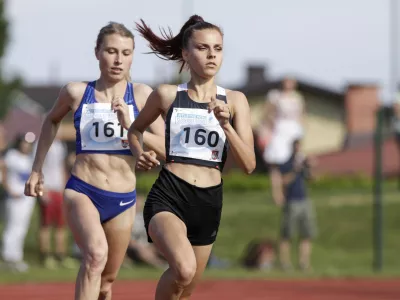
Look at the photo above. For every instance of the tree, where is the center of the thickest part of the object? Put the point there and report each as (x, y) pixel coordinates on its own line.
(6, 87)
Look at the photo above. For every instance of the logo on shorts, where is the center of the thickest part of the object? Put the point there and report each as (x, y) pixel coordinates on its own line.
(124, 143)
(214, 154)
(121, 203)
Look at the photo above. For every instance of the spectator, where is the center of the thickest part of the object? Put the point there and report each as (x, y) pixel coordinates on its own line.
(18, 207)
(259, 255)
(139, 249)
(3, 148)
(51, 208)
(284, 114)
(298, 211)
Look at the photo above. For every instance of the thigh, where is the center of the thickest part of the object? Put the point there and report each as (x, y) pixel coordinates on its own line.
(84, 221)
(118, 233)
(307, 223)
(169, 234)
(202, 224)
(288, 221)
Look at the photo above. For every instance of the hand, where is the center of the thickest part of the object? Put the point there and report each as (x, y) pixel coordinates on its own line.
(279, 200)
(299, 162)
(35, 185)
(121, 108)
(44, 198)
(147, 160)
(221, 111)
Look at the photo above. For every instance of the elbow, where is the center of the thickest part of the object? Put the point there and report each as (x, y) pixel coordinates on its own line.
(51, 120)
(133, 134)
(133, 130)
(250, 167)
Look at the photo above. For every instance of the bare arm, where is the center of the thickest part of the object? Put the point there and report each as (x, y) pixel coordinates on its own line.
(240, 136)
(155, 139)
(306, 166)
(66, 100)
(303, 111)
(50, 126)
(277, 185)
(270, 107)
(5, 182)
(158, 102)
(288, 177)
(396, 107)
(269, 114)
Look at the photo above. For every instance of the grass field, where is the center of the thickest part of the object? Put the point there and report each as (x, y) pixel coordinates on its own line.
(342, 249)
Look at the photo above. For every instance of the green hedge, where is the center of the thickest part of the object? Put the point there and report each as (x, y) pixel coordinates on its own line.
(236, 181)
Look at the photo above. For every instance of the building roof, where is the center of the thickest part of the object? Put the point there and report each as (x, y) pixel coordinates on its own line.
(302, 86)
(43, 95)
(258, 84)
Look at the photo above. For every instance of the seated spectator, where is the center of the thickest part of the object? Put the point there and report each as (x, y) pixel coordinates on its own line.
(259, 254)
(139, 249)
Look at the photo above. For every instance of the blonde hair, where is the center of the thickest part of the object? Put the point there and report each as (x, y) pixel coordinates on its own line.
(114, 28)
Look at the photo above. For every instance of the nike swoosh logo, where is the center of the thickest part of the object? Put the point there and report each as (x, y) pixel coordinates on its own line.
(125, 203)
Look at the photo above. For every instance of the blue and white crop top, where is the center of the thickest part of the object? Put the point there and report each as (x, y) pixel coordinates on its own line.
(97, 127)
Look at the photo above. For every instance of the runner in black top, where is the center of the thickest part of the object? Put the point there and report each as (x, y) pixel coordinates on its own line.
(183, 209)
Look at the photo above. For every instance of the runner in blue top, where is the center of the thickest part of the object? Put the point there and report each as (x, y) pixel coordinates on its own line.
(100, 195)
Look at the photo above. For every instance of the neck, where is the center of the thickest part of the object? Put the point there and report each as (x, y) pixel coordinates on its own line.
(111, 89)
(288, 91)
(203, 88)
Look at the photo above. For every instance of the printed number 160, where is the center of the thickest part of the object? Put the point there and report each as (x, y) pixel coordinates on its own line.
(200, 137)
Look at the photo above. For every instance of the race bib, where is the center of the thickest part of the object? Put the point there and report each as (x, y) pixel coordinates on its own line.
(195, 133)
(100, 128)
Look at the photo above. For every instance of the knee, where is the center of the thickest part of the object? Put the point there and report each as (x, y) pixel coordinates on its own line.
(95, 258)
(185, 272)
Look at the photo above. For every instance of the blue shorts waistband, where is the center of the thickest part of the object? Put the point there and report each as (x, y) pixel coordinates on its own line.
(103, 192)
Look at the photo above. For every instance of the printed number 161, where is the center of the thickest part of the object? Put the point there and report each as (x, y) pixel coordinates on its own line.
(108, 129)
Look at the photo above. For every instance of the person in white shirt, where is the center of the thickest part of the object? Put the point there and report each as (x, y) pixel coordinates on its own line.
(51, 208)
(3, 147)
(285, 111)
(18, 207)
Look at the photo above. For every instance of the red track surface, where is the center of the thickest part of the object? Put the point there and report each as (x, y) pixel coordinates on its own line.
(225, 289)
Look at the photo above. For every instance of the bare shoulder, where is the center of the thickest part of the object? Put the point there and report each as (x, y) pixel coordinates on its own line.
(141, 92)
(73, 92)
(74, 89)
(166, 93)
(142, 89)
(236, 98)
